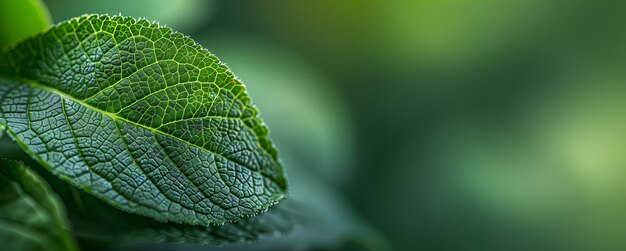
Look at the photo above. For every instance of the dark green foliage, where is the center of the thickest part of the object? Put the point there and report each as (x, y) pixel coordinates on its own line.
(31, 216)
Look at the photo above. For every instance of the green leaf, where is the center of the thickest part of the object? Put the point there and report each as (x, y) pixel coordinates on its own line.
(31, 217)
(20, 19)
(142, 117)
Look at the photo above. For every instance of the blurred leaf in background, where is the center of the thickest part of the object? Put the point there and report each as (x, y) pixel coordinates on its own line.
(20, 19)
(31, 215)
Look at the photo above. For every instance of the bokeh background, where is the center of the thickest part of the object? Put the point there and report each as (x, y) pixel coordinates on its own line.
(426, 124)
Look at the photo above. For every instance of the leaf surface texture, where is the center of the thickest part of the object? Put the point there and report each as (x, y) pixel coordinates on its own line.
(142, 117)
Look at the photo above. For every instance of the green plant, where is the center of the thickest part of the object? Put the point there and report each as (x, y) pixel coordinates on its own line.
(147, 121)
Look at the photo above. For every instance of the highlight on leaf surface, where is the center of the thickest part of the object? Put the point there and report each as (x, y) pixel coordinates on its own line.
(143, 118)
(31, 216)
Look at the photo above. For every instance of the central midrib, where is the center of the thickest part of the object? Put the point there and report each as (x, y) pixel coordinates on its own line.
(114, 116)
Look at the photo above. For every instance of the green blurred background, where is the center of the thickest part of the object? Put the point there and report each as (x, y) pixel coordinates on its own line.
(425, 124)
